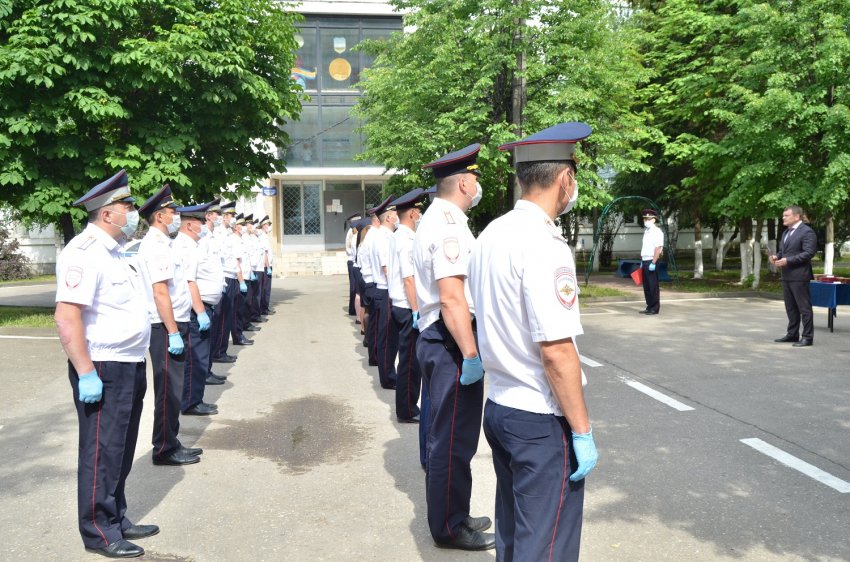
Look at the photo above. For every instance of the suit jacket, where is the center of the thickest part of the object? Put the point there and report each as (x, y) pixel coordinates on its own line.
(798, 249)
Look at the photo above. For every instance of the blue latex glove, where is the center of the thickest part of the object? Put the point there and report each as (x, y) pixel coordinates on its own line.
(253, 276)
(586, 454)
(471, 371)
(175, 343)
(203, 321)
(651, 266)
(243, 288)
(415, 319)
(268, 271)
(91, 388)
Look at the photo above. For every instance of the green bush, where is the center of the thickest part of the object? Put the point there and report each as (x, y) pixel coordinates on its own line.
(13, 264)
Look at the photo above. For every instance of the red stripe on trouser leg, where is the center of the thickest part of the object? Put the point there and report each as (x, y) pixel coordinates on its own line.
(451, 447)
(164, 394)
(563, 489)
(96, 458)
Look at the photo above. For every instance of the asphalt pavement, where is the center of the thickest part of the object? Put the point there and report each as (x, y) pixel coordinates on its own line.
(306, 462)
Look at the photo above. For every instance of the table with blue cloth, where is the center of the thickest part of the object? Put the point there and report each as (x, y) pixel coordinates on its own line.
(829, 295)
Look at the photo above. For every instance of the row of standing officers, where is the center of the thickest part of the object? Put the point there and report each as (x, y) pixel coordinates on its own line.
(446, 308)
(200, 279)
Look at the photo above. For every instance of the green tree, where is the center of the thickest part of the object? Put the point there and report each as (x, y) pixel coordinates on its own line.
(181, 92)
(451, 82)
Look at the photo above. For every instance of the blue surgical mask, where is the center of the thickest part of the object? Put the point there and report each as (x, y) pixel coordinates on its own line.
(204, 231)
(175, 224)
(478, 195)
(132, 223)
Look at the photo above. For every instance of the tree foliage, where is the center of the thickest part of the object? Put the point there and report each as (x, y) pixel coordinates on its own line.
(449, 83)
(178, 91)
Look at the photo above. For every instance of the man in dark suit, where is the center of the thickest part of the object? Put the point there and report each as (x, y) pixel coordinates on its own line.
(794, 258)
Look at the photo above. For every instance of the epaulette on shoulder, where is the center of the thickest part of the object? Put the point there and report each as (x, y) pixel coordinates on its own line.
(85, 243)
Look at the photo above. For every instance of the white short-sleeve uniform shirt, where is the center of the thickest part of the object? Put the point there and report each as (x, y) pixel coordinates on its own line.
(364, 255)
(91, 272)
(400, 264)
(379, 252)
(653, 238)
(440, 249)
(524, 284)
(158, 262)
(231, 251)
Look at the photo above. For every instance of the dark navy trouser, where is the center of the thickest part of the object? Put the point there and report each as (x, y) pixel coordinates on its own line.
(107, 445)
(167, 388)
(259, 289)
(266, 297)
(455, 426)
(651, 292)
(408, 379)
(538, 509)
(424, 424)
(198, 360)
(385, 342)
(224, 318)
(238, 310)
(368, 294)
(351, 291)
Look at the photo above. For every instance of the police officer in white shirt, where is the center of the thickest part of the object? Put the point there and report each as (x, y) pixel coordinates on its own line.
(103, 326)
(350, 252)
(650, 253)
(385, 340)
(405, 310)
(237, 257)
(364, 257)
(169, 304)
(205, 277)
(268, 265)
(447, 352)
(360, 228)
(524, 284)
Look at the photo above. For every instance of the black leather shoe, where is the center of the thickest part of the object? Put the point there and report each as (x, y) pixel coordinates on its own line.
(119, 549)
(140, 532)
(478, 523)
(267, 312)
(469, 539)
(219, 377)
(176, 458)
(390, 386)
(251, 328)
(200, 410)
(414, 419)
(644, 311)
(243, 341)
(194, 451)
(211, 380)
(803, 343)
(260, 320)
(784, 339)
(225, 359)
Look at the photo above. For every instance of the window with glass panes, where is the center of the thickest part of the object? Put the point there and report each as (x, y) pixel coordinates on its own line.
(328, 68)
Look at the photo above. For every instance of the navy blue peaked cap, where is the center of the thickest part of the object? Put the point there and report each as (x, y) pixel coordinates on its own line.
(361, 224)
(106, 192)
(431, 190)
(557, 143)
(229, 207)
(354, 216)
(215, 205)
(383, 207)
(194, 211)
(463, 161)
(409, 200)
(162, 199)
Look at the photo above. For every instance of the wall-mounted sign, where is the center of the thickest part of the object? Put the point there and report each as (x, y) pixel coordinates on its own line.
(269, 191)
(339, 44)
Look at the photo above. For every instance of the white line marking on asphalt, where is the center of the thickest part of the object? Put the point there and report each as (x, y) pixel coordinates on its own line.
(4, 337)
(589, 362)
(672, 402)
(798, 465)
(674, 301)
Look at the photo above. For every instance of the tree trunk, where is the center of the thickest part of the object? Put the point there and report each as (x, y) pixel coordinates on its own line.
(595, 250)
(724, 247)
(771, 243)
(518, 93)
(829, 250)
(757, 249)
(698, 267)
(746, 249)
(66, 223)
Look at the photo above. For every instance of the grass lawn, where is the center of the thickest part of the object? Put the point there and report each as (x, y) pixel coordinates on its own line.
(26, 317)
(591, 291)
(30, 281)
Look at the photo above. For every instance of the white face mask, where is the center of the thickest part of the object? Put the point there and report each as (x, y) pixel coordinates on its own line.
(478, 194)
(218, 222)
(175, 224)
(132, 223)
(204, 231)
(572, 201)
(648, 222)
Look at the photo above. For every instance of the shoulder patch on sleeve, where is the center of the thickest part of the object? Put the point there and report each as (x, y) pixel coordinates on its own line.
(73, 276)
(565, 287)
(451, 249)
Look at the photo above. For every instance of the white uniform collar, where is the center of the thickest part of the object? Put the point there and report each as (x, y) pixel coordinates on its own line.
(101, 235)
(448, 206)
(525, 205)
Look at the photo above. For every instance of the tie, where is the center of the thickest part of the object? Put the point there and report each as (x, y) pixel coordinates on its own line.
(787, 236)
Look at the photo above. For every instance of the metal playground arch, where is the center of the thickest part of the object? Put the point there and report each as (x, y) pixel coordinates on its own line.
(671, 258)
